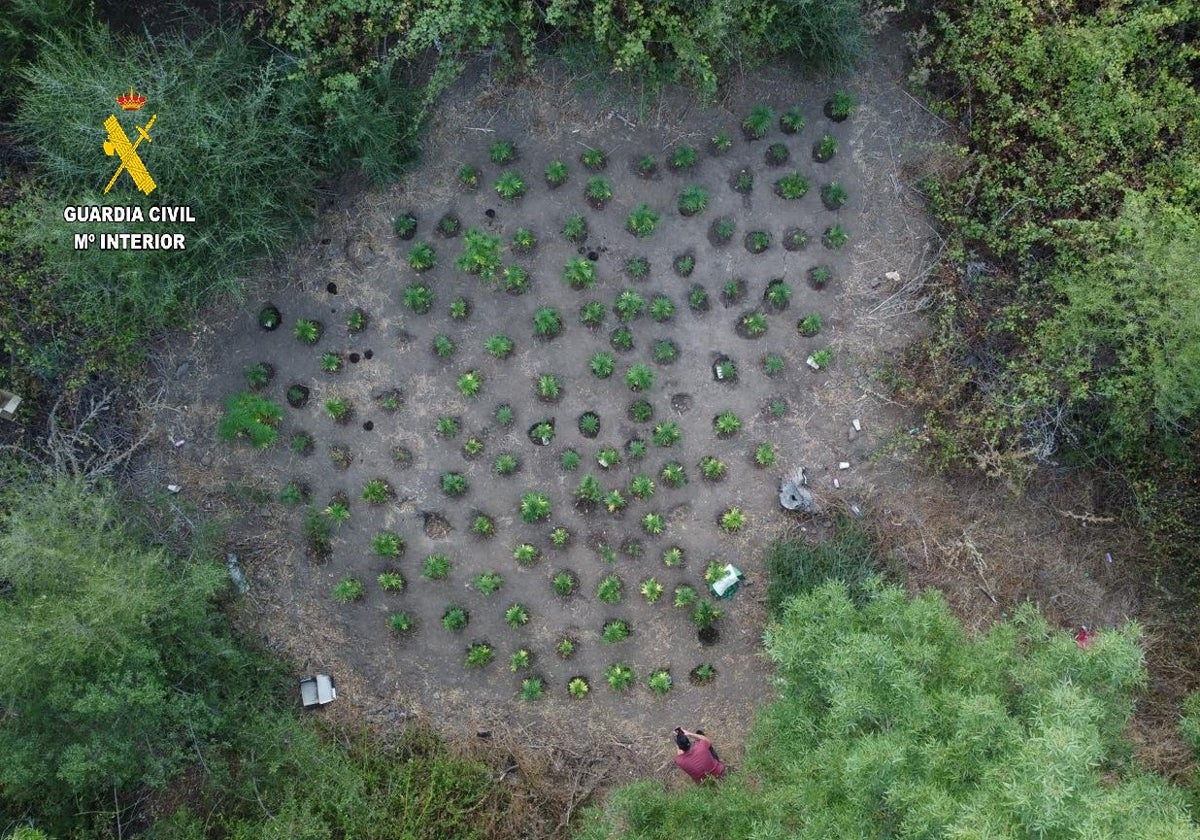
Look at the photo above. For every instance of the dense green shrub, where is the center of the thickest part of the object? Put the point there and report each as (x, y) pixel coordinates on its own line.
(893, 721)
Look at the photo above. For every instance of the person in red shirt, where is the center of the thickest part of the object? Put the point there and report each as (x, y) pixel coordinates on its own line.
(694, 755)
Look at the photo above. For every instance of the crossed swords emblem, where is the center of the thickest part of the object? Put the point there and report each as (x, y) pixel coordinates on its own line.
(118, 143)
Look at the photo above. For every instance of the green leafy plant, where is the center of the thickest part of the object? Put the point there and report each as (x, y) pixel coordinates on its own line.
(672, 557)
(792, 186)
(578, 688)
(376, 491)
(778, 295)
(621, 339)
(575, 229)
(489, 582)
(809, 325)
(510, 185)
(720, 143)
(743, 181)
(773, 364)
(629, 305)
(777, 154)
(542, 433)
(516, 616)
(331, 362)
(307, 330)
(449, 226)
(499, 346)
(250, 417)
(556, 174)
(698, 299)
(758, 122)
(665, 351)
(614, 501)
(757, 241)
(387, 544)
(504, 415)
(666, 433)
(548, 387)
(733, 520)
(446, 426)
(819, 276)
(483, 525)
(418, 297)
(348, 589)
(598, 191)
(472, 447)
(833, 195)
(726, 424)
(673, 474)
(722, 230)
(602, 365)
(608, 457)
(569, 460)
(579, 273)
(684, 158)
(705, 614)
(639, 377)
(294, 493)
(659, 681)
(390, 582)
(479, 654)
(547, 323)
(593, 159)
(514, 280)
(642, 221)
(435, 567)
(502, 152)
(356, 320)
(526, 554)
(835, 237)
(840, 106)
(653, 524)
(589, 491)
(712, 468)
(641, 411)
(684, 264)
(405, 225)
(468, 176)
(564, 583)
(470, 383)
(823, 358)
(619, 676)
(258, 376)
(454, 484)
(753, 325)
(506, 463)
(532, 689)
(824, 149)
(400, 622)
(592, 314)
(641, 486)
(422, 257)
(520, 659)
(791, 121)
(638, 268)
(480, 254)
(608, 591)
(338, 409)
(693, 200)
(534, 507)
(615, 631)
(443, 346)
(523, 240)
(302, 443)
(685, 596)
(589, 424)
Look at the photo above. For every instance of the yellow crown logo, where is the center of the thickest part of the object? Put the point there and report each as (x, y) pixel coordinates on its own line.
(131, 101)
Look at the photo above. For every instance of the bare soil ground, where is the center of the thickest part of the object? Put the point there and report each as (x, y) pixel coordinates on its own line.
(985, 548)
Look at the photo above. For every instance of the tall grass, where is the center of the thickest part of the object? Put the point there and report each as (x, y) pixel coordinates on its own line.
(796, 566)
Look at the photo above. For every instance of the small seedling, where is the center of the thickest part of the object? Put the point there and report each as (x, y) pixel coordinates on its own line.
(338, 409)
(519, 660)
(621, 339)
(510, 186)
(778, 295)
(757, 241)
(483, 525)
(504, 415)
(824, 149)
(773, 364)
(449, 225)
(446, 426)
(569, 460)
(698, 299)
(592, 314)
(348, 589)
(418, 297)
(840, 106)
(376, 491)
(777, 154)
(641, 486)
(575, 229)
(662, 309)
(608, 591)
(472, 448)
(578, 688)
(629, 305)
(638, 268)
(614, 500)
(692, 200)
(723, 230)
(547, 323)
(515, 280)
(653, 524)
(646, 166)
(823, 358)
(608, 458)
(560, 537)
(833, 195)
(639, 377)
(532, 689)
(302, 443)
(293, 493)
(259, 376)
(703, 674)
(684, 158)
(764, 455)
(641, 411)
(791, 121)
(460, 309)
(602, 365)
(684, 265)
(673, 557)
(523, 241)
(753, 325)
(468, 176)
(548, 388)
(405, 225)
(589, 424)
(579, 273)
(400, 622)
(598, 191)
(526, 554)
(443, 346)
(704, 614)
(743, 181)
(720, 143)
(387, 544)
(502, 152)
(819, 276)
(835, 237)
(422, 257)
(792, 186)
(809, 325)
(542, 433)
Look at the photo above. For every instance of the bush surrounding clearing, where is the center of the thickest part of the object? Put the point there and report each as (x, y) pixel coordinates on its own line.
(892, 721)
